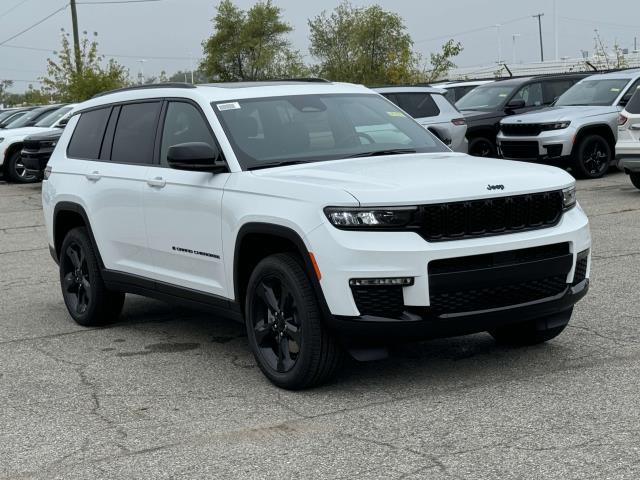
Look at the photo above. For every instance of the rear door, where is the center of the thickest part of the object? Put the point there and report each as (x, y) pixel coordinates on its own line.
(116, 176)
(183, 208)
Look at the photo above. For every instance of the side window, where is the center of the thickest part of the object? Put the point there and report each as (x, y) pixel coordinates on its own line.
(632, 89)
(87, 136)
(184, 123)
(531, 94)
(135, 133)
(555, 88)
(418, 105)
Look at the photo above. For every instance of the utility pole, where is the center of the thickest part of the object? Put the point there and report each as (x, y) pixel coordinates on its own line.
(555, 27)
(539, 16)
(76, 37)
(499, 43)
(515, 37)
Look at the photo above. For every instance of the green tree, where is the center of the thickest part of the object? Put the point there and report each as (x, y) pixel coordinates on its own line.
(442, 62)
(4, 85)
(363, 45)
(249, 45)
(65, 82)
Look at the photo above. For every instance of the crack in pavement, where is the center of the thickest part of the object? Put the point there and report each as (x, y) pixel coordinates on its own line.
(24, 250)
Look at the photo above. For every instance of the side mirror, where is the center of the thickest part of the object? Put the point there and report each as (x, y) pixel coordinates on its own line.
(195, 157)
(625, 99)
(63, 122)
(516, 104)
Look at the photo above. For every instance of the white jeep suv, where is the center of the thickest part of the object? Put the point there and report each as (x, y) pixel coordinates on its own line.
(318, 213)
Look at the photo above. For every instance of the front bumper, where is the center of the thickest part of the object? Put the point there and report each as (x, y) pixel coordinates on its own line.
(344, 255)
(551, 145)
(425, 324)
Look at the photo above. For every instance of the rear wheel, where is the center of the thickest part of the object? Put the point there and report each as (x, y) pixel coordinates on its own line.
(16, 171)
(592, 158)
(635, 179)
(482, 147)
(534, 331)
(284, 325)
(87, 299)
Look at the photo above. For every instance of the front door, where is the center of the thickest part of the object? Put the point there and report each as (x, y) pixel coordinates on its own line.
(183, 209)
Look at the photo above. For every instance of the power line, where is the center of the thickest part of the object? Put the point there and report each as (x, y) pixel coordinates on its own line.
(598, 22)
(473, 30)
(34, 25)
(6, 12)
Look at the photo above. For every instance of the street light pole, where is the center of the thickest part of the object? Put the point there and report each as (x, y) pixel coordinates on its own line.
(539, 16)
(142, 62)
(499, 43)
(514, 36)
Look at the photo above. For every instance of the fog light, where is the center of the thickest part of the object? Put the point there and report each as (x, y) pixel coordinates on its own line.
(402, 281)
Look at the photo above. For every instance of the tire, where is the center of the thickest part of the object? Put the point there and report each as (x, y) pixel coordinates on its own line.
(533, 332)
(635, 179)
(87, 299)
(592, 157)
(285, 328)
(482, 147)
(14, 170)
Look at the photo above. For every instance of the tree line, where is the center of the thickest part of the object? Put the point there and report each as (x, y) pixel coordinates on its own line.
(367, 45)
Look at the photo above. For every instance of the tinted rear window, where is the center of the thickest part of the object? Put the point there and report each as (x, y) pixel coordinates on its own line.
(135, 133)
(634, 104)
(418, 105)
(88, 134)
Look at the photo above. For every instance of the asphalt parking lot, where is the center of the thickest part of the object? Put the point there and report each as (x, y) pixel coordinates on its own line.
(172, 393)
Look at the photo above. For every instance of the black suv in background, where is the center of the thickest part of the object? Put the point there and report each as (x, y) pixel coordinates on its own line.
(486, 105)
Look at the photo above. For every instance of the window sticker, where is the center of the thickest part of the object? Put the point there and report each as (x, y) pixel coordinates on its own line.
(502, 94)
(395, 114)
(614, 89)
(228, 106)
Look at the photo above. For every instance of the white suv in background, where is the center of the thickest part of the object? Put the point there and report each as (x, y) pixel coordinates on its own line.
(318, 213)
(433, 111)
(628, 146)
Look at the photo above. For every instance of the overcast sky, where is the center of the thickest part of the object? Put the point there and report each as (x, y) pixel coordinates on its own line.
(176, 28)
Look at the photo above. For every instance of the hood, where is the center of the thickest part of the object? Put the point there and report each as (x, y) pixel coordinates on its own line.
(17, 134)
(47, 135)
(471, 115)
(423, 178)
(561, 114)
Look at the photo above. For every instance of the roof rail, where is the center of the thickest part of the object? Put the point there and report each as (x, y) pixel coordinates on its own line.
(147, 86)
(301, 79)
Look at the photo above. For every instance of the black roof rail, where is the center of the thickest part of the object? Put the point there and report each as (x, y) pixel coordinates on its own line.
(147, 86)
(301, 79)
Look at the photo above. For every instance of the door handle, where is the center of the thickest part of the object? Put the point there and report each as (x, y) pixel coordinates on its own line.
(94, 176)
(635, 126)
(157, 182)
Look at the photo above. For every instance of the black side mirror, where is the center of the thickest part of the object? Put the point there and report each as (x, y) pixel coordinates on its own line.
(515, 104)
(195, 157)
(625, 99)
(63, 122)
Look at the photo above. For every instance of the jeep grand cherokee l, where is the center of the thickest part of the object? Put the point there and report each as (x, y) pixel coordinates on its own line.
(319, 214)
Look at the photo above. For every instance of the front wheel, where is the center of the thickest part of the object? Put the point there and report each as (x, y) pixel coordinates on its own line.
(285, 328)
(635, 179)
(482, 147)
(592, 158)
(533, 332)
(16, 171)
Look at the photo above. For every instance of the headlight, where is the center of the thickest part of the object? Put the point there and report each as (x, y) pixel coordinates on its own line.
(370, 218)
(569, 198)
(554, 126)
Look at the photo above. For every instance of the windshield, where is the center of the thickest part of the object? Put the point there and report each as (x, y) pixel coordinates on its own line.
(486, 97)
(27, 118)
(593, 92)
(53, 117)
(312, 128)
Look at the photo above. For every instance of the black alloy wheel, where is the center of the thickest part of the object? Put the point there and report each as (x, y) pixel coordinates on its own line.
(76, 284)
(16, 170)
(593, 157)
(482, 147)
(276, 324)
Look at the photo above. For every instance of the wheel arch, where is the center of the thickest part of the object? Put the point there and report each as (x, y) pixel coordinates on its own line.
(255, 241)
(601, 129)
(68, 215)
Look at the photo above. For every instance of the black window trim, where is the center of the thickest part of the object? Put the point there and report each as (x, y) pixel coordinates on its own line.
(160, 131)
(109, 139)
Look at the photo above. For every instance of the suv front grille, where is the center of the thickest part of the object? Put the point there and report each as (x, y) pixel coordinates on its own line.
(520, 129)
(478, 218)
(525, 150)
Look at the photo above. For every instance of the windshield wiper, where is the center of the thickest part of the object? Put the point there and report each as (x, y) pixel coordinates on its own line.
(377, 153)
(276, 164)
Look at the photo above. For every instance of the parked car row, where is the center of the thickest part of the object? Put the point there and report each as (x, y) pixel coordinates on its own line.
(17, 125)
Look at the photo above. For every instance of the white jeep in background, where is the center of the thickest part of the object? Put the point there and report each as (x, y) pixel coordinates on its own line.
(317, 213)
